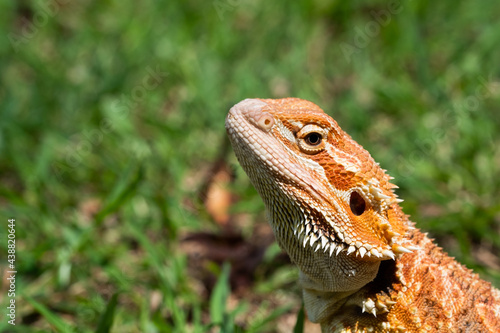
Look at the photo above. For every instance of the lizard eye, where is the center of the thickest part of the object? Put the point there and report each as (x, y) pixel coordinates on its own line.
(311, 139)
(357, 203)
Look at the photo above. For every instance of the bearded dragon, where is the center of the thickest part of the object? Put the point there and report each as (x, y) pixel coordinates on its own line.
(364, 267)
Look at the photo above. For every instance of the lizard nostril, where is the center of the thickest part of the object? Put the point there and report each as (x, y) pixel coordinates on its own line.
(266, 121)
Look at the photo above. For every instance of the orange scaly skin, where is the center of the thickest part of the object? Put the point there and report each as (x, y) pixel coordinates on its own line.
(363, 266)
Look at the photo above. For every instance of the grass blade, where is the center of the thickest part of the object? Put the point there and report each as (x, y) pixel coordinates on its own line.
(106, 320)
(219, 295)
(299, 325)
(56, 321)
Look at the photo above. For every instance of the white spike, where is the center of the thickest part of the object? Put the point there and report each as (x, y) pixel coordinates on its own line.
(327, 246)
(400, 249)
(376, 253)
(351, 249)
(306, 239)
(369, 306)
(340, 247)
(382, 195)
(300, 230)
(317, 247)
(362, 251)
(391, 202)
(332, 248)
(378, 194)
(388, 253)
(313, 239)
(324, 241)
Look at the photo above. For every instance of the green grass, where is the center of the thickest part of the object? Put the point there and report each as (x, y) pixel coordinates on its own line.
(112, 115)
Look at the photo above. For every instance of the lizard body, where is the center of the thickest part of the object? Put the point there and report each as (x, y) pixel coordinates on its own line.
(363, 265)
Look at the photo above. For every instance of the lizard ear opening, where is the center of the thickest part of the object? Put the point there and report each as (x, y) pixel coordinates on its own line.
(357, 203)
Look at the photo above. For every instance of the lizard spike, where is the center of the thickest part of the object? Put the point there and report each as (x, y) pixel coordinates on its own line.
(391, 233)
(400, 249)
(340, 247)
(308, 228)
(392, 201)
(351, 249)
(388, 253)
(381, 306)
(412, 248)
(362, 251)
(313, 238)
(369, 306)
(384, 225)
(324, 241)
(382, 196)
(306, 239)
(318, 246)
(326, 247)
(376, 253)
(332, 248)
(378, 194)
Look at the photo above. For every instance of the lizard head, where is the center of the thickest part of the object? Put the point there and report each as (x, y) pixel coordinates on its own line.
(319, 186)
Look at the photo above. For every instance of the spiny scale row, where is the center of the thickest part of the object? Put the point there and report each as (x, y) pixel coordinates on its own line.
(376, 307)
(327, 244)
(314, 237)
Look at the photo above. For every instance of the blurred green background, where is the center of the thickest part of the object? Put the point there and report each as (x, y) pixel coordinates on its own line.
(128, 198)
